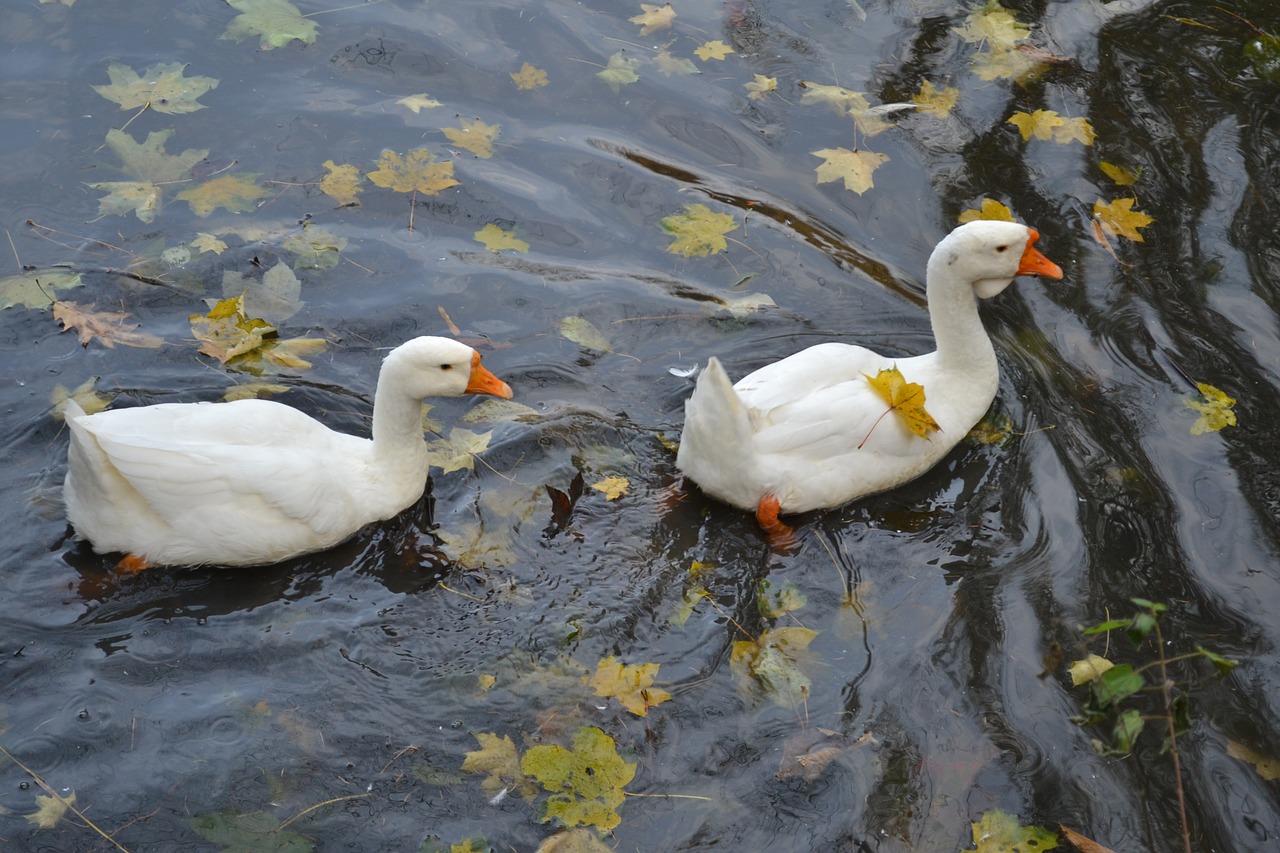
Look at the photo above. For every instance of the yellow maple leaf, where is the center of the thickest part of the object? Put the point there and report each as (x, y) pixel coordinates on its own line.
(205, 242)
(495, 239)
(1121, 175)
(85, 394)
(1118, 218)
(853, 167)
(414, 172)
(49, 810)
(1074, 130)
(418, 103)
(1088, 669)
(109, 327)
(993, 24)
(619, 72)
(253, 391)
(939, 102)
(161, 88)
(669, 64)
(613, 487)
(1215, 411)
(1014, 63)
(342, 184)
(146, 161)
(1041, 124)
(227, 331)
(529, 77)
(698, 231)
(761, 86)
(474, 136)
(276, 22)
(236, 193)
(905, 398)
(842, 99)
(458, 451)
(771, 661)
(629, 684)
(499, 760)
(654, 18)
(140, 197)
(709, 50)
(991, 209)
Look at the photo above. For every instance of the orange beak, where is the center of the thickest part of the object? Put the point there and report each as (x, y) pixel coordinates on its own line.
(484, 382)
(1034, 263)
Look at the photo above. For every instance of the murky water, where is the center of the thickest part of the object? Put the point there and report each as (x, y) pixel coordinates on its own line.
(171, 700)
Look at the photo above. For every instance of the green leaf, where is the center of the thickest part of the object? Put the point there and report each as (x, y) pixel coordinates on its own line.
(1263, 55)
(254, 832)
(316, 248)
(1117, 683)
(1223, 665)
(146, 161)
(142, 198)
(1109, 625)
(774, 602)
(36, 288)
(1140, 626)
(586, 781)
(277, 22)
(998, 832)
(162, 88)
(771, 662)
(583, 333)
(619, 72)
(1128, 727)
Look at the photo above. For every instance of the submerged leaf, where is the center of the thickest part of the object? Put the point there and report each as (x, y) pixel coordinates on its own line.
(227, 331)
(36, 288)
(84, 394)
(583, 333)
(613, 487)
(276, 22)
(771, 662)
(495, 239)
(419, 102)
(474, 136)
(998, 832)
(146, 161)
(939, 102)
(853, 167)
(49, 810)
(458, 451)
(709, 50)
(529, 77)
(499, 760)
(990, 209)
(619, 72)
(255, 832)
(760, 86)
(654, 18)
(275, 297)
(574, 841)
(315, 248)
(1268, 768)
(698, 231)
(162, 87)
(586, 781)
(142, 198)
(1215, 411)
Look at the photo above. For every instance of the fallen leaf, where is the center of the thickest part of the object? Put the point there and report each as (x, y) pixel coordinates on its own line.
(996, 63)
(586, 781)
(837, 97)
(574, 841)
(314, 248)
(529, 77)
(1040, 124)
(995, 428)
(1215, 411)
(777, 600)
(474, 136)
(619, 72)
(415, 172)
(654, 18)
(1121, 175)
(668, 64)
(49, 810)
(495, 239)
(562, 503)
(227, 331)
(583, 333)
(1082, 844)
(36, 288)
(259, 832)
(476, 546)
(1268, 768)
(709, 50)
(208, 243)
(458, 451)
(1075, 130)
(276, 22)
(235, 193)
(275, 297)
(161, 87)
(499, 760)
(342, 184)
(853, 167)
(998, 832)
(419, 102)
(808, 754)
(698, 231)
(85, 396)
(938, 102)
(629, 684)
(613, 487)
(771, 661)
(760, 86)
(748, 303)
(109, 327)
(905, 398)
(141, 198)
(496, 409)
(147, 161)
(1089, 669)
(990, 209)
(1118, 218)
(994, 25)
(253, 391)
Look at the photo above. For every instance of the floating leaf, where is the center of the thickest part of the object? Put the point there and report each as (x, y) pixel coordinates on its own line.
(275, 297)
(619, 72)
(998, 832)
(85, 395)
(760, 86)
(458, 451)
(49, 810)
(654, 18)
(276, 22)
(1215, 411)
(498, 759)
(668, 64)
(853, 167)
(235, 193)
(342, 184)
(1121, 175)
(1047, 124)
(994, 428)
(1082, 844)
(905, 398)
(586, 781)
(36, 288)
(1118, 218)
(147, 161)
(748, 303)
(698, 231)
(841, 99)
(1075, 130)
(109, 327)
(994, 25)
(529, 77)
(253, 391)
(1090, 668)
(495, 239)
(141, 198)
(583, 333)
(998, 63)
(709, 50)
(474, 136)
(208, 243)
(419, 102)
(162, 87)
(227, 331)
(771, 662)
(1268, 768)
(255, 832)
(990, 209)
(613, 487)
(629, 684)
(939, 102)
(574, 841)
(415, 172)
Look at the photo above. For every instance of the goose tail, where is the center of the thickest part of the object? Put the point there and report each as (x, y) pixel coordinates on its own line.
(716, 444)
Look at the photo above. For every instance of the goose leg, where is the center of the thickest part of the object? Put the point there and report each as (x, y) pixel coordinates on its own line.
(131, 564)
(775, 530)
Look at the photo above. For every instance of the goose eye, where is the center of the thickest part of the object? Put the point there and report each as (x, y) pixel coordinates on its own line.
(446, 367)
(1002, 248)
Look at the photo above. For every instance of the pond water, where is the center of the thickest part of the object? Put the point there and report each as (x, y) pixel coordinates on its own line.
(918, 665)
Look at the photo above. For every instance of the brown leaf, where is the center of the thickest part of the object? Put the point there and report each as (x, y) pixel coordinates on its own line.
(109, 327)
(808, 754)
(1084, 845)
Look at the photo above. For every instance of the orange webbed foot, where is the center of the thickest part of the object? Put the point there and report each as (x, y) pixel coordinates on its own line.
(131, 564)
(779, 534)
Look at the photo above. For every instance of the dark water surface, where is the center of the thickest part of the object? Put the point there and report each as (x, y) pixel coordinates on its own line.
(167, 700)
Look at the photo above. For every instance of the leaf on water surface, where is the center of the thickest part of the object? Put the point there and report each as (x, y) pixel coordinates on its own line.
(1215, 410)
(109, 327)
(998, 832)
(467, 845)
(274, 298)
(419, 102)
(495, 239)
(415, 172)
(1083, 844)
(669, 64)
(574, 841)
(255, 832)
(529, 77)
(586, 781)
(777, 601)
(760, 86)
(771, 662)
(935, 101)
(146, 161)
(474, 136)
(688, 604)
(698, 231)
(1047, 124)
(315, 248)
(905, 398)
(85, 395)
(205, 242)
(990, 209)
(227, 331)
(236, 193)
(994, 25)
(619, 72)
(275, 22)
(458, 451)
(853, 167)
(583, 333)
(654, 18)
(1090, 668)
(709, 50)
(496, 409)
(1268, 768)
(141, 198)
(748, 303)
(1121, 175)
(342, 184)
(499, 760)
(841, 99)
(253, 391)
(562, 503)
(36, 288)
(629, 684)
(613, 487)
(1118, 218)
(162, 87)
(49, 810)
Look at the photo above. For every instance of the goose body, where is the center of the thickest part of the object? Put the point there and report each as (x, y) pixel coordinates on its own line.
(809, 432)
(253, 482)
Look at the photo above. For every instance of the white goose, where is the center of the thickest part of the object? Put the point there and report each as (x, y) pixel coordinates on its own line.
(785, 439)
(254, 482)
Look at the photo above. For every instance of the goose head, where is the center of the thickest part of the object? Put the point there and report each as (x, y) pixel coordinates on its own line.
(987, 255)
(439, 367)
